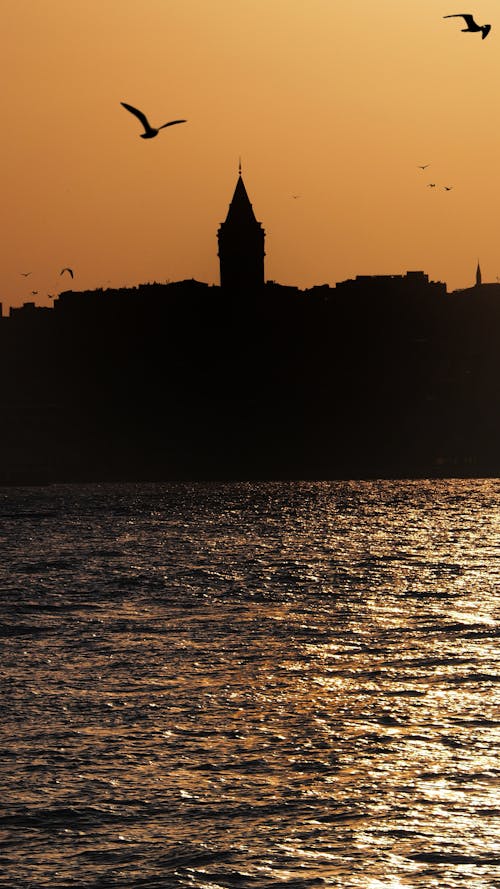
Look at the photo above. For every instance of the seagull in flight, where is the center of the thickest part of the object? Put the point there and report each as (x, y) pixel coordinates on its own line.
(471, 24)
(447, 187)
(25, 274)
(149, 131)
(431, 185)
(423, 166)
(67, 269)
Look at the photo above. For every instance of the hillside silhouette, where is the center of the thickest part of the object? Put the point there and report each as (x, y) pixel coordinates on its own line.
(384, 376)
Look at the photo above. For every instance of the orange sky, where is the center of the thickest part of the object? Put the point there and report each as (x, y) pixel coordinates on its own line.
(335, 101)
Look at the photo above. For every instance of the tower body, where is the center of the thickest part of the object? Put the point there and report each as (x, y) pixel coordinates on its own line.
(241, 244)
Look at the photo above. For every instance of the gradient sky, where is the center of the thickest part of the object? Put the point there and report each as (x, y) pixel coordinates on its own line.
(338, 102)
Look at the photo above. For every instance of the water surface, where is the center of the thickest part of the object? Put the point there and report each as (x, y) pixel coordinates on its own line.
(250, 685)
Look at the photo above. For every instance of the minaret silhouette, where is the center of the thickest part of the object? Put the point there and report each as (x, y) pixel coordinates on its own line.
(479, 279)
(241, 244)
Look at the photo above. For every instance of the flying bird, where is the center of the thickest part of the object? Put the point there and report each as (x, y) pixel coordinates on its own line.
(431, 185)
(25, 274)
(471, 24)
(447, 187)
(149, 131)
(424, 166)
(67, 270)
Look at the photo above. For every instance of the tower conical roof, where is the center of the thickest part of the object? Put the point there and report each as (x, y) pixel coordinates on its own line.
(240, 208)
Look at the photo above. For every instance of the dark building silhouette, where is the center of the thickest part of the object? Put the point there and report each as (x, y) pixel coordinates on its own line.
(241, 244)
(411, 284)
(480, 290)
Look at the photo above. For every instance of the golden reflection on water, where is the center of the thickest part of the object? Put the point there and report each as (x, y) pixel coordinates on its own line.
(255, 687)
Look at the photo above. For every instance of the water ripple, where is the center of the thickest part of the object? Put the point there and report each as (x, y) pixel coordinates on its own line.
(250, 685)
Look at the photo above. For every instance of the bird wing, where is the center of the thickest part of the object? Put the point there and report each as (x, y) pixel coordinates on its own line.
(142, 117)
(171, 123)
(67, 270)
(469, 19)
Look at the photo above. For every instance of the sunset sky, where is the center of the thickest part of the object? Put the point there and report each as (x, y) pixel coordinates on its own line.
(335, 101)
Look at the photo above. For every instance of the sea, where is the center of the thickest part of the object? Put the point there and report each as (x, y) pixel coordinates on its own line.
(250, 685)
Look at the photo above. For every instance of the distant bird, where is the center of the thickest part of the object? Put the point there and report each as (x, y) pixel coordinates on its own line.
(25, 274)
(149, 131)
(447, 187)
(472, 26)
(431, 185)
(424, 167)
(67, 270)
(34, 292)
(295, 196)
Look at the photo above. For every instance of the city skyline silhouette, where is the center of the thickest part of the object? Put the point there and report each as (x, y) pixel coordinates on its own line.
(332, 345)
(345, 130)
(378, 376)
(241, 251)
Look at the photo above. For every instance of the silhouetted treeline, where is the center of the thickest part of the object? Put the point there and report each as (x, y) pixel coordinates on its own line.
(387, 376)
